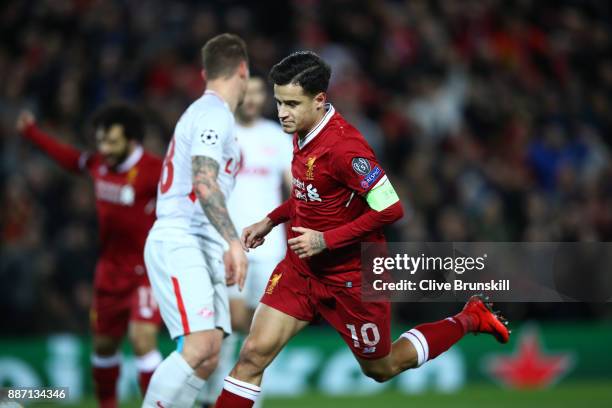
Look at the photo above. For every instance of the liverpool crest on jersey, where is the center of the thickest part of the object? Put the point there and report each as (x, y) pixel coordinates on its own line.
(310, 165)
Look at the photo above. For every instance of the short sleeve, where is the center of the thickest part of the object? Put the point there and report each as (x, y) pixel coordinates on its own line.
(210, 133)
(357, 166)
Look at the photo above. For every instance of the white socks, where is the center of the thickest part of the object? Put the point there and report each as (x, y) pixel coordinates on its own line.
(106, 362)
(173, 385)
(189, 392)
(241, 388)
(420, 345)
(149, 362)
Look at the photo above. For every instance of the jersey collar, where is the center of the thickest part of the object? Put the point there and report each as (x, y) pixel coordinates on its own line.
(319, 127)
(131, 160)
(211, 92)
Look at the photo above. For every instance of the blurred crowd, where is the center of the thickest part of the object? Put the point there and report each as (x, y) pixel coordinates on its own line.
(493, 118)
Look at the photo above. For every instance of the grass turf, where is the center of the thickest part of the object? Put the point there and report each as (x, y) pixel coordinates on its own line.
(578, 395)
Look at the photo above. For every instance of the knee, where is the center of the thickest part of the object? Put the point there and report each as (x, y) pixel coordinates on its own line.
(142, 343)
(208, 366)
(199, 350)
(204, 364)
(105, 346)
(198, 354)
(378, 374)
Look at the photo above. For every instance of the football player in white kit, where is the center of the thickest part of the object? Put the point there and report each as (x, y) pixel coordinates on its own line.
(184, 252)
(266, 166)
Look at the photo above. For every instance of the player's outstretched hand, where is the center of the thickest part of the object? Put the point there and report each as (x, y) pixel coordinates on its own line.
(253, 235)
(236, 263)
(308, 244)
(25, 119)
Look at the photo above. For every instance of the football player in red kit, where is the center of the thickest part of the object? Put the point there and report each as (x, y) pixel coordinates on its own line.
(341, 197)
(125, 182)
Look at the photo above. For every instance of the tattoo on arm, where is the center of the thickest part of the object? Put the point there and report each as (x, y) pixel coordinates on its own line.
(204, 176)
(317, 242)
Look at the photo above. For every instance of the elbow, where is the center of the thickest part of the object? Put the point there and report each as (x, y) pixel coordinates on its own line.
(200, 191)
(394, 213)
(399, 213)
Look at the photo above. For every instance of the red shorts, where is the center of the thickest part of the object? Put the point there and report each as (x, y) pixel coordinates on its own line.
(364, 326)
(112, 312)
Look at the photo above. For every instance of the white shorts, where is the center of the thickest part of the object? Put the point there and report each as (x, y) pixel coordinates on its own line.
(256, 282)
(188, 280)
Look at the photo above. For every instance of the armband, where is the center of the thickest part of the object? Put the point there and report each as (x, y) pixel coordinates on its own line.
(382, 196)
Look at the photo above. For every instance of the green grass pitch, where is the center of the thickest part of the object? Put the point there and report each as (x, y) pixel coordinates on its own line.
(565, 395)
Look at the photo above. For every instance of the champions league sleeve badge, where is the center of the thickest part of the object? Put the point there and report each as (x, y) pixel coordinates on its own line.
(361, 166)
(209, 137)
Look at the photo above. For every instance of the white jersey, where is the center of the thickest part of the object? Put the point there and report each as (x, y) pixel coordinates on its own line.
(266, 156)
(206, 128)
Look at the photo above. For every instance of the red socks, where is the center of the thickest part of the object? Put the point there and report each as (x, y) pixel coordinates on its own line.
(237, 394)
(106, 374)
(144, 378)
(105, 381)
(429, 339)
(432, 339)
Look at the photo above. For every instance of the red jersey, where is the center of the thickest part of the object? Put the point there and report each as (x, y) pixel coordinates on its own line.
(333, 168)
(125, 206)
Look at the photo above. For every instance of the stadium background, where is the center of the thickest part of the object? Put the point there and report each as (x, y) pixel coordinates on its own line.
(492, 117)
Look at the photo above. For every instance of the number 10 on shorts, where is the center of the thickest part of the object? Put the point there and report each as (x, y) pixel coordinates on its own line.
(369, 334)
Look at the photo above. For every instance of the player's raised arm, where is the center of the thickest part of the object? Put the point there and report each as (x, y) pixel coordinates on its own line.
(65, 155)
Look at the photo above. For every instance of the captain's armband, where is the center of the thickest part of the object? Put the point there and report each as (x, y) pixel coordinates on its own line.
(382, 195)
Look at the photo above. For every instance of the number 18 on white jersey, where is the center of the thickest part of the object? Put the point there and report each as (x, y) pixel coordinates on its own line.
(205, 129)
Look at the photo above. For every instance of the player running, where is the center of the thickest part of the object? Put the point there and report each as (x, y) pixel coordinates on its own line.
(125, 183)
(184, 252)
(341, 197)
(266, 168)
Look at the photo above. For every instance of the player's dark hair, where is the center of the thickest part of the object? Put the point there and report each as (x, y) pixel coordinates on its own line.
(303, 68)
(121, 114)
(222, 54)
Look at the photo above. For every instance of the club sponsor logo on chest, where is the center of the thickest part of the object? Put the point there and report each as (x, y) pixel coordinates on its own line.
(122, 194)
(305, 192)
